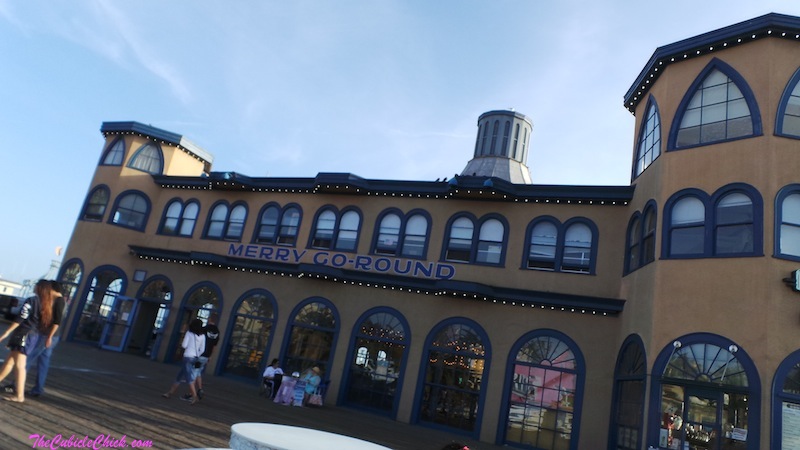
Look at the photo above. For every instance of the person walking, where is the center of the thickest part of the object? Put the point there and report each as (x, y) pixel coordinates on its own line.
(36, 314)
(212, 338)
(194, 343)
(47, 343)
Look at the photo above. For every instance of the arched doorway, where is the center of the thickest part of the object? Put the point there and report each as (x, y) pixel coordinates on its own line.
(311, 338)
(202, 300)
(249, 334)
(106, 283)
(630, 383)
(705, 396)
(376, 360)
(456, 361)
(786, 404)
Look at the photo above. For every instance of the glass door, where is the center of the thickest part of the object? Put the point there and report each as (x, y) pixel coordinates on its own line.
(702, 420)
(118, 324)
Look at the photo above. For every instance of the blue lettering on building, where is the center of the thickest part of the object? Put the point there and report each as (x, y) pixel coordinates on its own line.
(363, 263)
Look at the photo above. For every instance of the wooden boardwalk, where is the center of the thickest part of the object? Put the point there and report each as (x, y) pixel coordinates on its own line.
(92, 392)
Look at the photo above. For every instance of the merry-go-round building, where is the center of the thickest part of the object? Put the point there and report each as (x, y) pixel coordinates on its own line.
(662, 313)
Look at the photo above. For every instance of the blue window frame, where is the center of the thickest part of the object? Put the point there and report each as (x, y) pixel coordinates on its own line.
(148, 159)
(476, 241)
(399, 234)
(626, 429)
(96, 203)
(728, 223)
(249, 335)
(706, 384)
(649, 148)
(543, 392)
(787, 223)
(641, 238)
(569, 247)
(719, 106)
(103, 286)
(180, 218)
(131, 210)
(115, 153)
(450, 388)
(226, 222)
(785, 397)
(376, 361)
(336, 230)
(788, 121)
(278, 225)
(310, 341)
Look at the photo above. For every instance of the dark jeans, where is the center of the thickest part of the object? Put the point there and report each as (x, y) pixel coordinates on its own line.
(41, 356)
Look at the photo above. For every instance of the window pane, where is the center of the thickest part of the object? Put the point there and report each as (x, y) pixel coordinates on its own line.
(236, 222)
(689, 210)
(172, 217)
(269, 225)
(459, 247)
(734, 208)
(147, 159)
(290, 222)
(189, 219)
(323, 236)
(687, 241)
(348, 231)
(415, 235)
(115, 154)
(388, 235)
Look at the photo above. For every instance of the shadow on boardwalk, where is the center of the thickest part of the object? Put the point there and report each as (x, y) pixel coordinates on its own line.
(92, 392)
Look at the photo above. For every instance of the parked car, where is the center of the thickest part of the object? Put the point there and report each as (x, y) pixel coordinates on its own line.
(10, 306)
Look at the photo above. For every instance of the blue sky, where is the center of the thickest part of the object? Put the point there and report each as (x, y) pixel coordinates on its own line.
(382, 89)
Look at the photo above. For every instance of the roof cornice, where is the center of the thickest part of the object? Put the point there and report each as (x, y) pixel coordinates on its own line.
(769, 25)
(157, 135)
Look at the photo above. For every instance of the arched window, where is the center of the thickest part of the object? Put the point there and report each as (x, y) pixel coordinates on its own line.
(311, 337)
(226, 222)
(516, 140)
(490, 242)
(104, 286)
(561, 248)
(649, 139)
(115, 153)
(290, 224)
(718, 107)
(731, 217)
(494, 137)
(336, 231)
(95, 207)
(485, 247)
(131, 211)
(379, 347)
(201, 301)
(544, 388)
(278, 226)
(459, 243)
(454, 365)
(148, 159)
(402, 235)
(506, 130)
(179, 218)
(786, 402)
(626, 430)
(788, 123)
(787, 222)
(268, 225)
(250, 334)
(70, 279)
(706, 389)
(641, 239)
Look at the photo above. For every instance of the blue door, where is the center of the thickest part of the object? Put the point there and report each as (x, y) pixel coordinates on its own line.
(118, 325)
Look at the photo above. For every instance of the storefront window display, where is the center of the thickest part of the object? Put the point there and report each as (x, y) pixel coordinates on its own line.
(453, 375)
(249, 336)
(379, 351)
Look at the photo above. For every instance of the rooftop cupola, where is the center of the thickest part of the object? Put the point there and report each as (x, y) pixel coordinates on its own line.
(501, 147)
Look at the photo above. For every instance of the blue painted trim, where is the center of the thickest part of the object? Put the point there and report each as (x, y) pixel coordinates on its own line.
(87, 287)
(631, 340)
(354, 335)
(508, 382)
(753, 390)
(787, 93)
(146, 214)
(89, 197)
(778, 397)
(422, 374)
(780, 197)
(739, 81)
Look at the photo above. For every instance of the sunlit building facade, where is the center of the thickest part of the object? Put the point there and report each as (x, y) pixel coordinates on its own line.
(662, 313)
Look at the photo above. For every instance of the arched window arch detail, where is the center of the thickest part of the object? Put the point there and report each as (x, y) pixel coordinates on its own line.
(249, 334)
(728, 223)
(70, 277)
(641, 238)
(785, 396)
(148, 158)
(399, 234)
(704, 376)
(543, 392)
(787, 123)
(200, 302)
(131, 210)
(719, 106)
(105, 283)
(455, 361)
(226, 222)
(336, 230)
(787, 223)
(569, 247)
(311, 336)
(626, 428)
(180, 218)
(114, 154)
(649, 148)
(96, 203)
(377, 360)
(476, 241)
